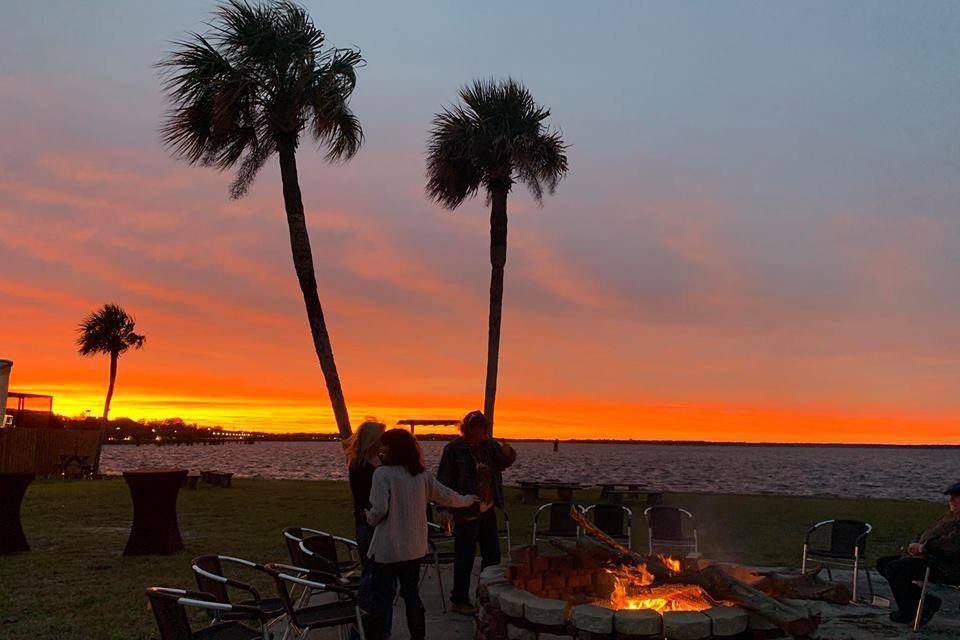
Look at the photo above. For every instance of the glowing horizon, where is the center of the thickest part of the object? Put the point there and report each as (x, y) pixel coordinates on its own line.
(757, 241)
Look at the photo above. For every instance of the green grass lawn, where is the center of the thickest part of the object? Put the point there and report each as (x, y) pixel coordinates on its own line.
(76, 584)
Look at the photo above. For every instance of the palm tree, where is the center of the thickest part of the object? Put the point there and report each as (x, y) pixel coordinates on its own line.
(108, 330)
(248, 89)
(496, 136)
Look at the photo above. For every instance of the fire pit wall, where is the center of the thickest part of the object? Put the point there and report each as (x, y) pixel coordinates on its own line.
(544, 594)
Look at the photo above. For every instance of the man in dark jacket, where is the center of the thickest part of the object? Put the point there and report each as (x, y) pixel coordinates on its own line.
(937, 547)
(474, 464)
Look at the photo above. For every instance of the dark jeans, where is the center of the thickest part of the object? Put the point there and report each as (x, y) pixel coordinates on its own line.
(378, 593)
(364, 537)
(469, 533)
(900, 572)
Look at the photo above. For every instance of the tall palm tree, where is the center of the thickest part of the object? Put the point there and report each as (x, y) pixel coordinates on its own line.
(249, 88)
(111, 331)
(496, 136)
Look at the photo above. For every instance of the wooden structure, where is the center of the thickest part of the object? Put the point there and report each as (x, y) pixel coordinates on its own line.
(28, 410)
(217, 478)
(42, 451)
(629, 493)
(413, 423)
(530, 490)
(25, 454)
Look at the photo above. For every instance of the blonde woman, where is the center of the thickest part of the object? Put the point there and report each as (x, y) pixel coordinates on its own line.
(363, 458)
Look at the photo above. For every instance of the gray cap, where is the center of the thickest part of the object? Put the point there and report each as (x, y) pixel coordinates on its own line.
(953, 490)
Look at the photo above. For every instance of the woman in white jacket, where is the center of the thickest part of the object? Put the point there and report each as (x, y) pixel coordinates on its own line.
(398, 509)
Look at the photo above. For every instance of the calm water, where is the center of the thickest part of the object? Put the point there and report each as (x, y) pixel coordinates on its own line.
(834, 471)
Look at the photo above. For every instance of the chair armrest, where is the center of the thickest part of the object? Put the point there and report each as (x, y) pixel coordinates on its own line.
(235, 584)
(347, 541)
(321, 577)
(248, 610)
(203, 600)
(287, 574)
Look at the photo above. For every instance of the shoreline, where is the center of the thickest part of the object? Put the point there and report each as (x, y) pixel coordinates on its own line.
(292, 438)
(515, 486)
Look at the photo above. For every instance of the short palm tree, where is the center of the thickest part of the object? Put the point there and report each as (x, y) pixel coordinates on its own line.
(496, 136)
(249, 88)
(109, 331)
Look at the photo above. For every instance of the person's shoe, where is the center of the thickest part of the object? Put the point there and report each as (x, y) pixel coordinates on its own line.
(463, 609)
(373, 628)
(417, 624)
(930, 608)
(900, 617)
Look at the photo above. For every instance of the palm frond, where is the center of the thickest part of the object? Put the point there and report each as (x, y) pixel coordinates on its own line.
(254, 81)
(496, 134)
(108, 330)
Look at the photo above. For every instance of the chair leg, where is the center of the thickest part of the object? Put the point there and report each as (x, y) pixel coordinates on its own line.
(856, 578)
(443, 596)
(360, 630)
(803, 560)
(923, 597)
(869, 581)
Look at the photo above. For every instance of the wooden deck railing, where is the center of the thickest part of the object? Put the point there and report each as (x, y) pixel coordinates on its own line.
(39, 450)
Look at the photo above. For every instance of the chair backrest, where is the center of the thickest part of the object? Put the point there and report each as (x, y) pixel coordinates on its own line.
(170, 615)
(560, 522)
(666, 522)
(293, 536)
(324, 553)
(610, 518)
(846, 534)
(217, 589)
(283, 591)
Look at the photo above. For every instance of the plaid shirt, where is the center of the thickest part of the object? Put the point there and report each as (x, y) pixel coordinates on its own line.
(458, 467)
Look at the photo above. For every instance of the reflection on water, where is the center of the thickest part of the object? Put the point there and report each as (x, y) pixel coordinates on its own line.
(836, 471)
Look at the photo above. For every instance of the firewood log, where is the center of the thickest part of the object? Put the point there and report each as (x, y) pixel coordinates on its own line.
(715, 581)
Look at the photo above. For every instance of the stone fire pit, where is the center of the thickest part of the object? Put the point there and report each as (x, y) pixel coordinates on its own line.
(543, 594)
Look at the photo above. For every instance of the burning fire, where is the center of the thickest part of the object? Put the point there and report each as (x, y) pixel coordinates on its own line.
(672, 563)
(634, 589)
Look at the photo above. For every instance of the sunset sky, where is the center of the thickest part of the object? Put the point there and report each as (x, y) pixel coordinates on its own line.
(759, 238)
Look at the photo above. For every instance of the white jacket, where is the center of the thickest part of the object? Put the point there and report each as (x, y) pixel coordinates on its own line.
(398, 510)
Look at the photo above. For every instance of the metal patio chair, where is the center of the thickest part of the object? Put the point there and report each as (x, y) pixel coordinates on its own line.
(322, 551)
(302, 617)
(666, 531)
(505, 530)
(845, 547)
(318, 551)
(929, 581)
(615, 520)
(559, 524)
(439, 555)
(212, 579)
(169, 610)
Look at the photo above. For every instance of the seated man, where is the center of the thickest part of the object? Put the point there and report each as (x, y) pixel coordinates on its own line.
(938, 546)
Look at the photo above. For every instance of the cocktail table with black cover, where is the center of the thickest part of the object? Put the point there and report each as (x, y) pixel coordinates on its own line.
(155, 530)
(13, 486)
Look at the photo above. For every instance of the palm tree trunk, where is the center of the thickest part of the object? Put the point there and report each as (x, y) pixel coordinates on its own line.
(114, 357)
(498, 260)
(104, 419)
(303, 263)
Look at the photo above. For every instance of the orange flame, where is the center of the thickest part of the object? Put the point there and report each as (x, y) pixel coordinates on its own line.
(634, 588)
(671, 563)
